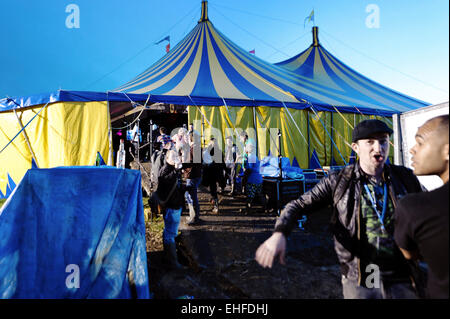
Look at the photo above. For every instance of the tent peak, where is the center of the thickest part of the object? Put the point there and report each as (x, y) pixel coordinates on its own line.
(204, 16)
(315, 32)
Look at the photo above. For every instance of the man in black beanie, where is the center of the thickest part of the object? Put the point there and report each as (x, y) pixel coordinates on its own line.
(363, 197)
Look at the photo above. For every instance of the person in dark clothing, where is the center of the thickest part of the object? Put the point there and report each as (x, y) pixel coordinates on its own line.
(252, 179)
(192, 172)
(363, 197)
(422, 228)
(129, 151)
(230, 163)
(213, 171)
(171, 191)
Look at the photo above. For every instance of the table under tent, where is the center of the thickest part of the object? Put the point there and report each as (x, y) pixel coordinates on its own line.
(305, 114)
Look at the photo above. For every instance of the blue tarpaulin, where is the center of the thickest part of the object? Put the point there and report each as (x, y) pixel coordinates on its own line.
(270, 168)
(74, 232)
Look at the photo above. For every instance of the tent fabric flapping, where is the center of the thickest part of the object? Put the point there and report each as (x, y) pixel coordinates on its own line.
(74, 232)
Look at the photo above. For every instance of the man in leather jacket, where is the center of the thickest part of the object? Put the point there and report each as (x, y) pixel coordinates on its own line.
(363, 197)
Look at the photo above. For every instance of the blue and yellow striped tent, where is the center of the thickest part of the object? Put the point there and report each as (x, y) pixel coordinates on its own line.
(344, 84)
(313, 98)
(314, 104)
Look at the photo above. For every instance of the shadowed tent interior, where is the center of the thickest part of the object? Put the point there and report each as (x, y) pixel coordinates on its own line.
(313, 100)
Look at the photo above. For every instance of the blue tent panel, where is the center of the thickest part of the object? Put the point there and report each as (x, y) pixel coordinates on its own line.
(74, 232)
(99, 161)
(314, 161)
(295, 162)
(33, 163)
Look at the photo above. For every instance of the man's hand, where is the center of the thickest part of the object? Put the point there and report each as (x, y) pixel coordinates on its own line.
(270, 249)
(411, 254)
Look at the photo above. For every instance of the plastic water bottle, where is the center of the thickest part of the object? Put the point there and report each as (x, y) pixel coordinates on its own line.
(120, 163)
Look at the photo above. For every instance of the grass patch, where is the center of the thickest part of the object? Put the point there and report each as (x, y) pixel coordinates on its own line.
(153, 228)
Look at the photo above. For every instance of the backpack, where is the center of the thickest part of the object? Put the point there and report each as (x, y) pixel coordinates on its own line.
(157, 160)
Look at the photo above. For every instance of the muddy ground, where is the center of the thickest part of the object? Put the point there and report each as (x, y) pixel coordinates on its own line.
(219, 257)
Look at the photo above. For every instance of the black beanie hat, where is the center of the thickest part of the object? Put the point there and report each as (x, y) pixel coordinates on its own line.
(368, 128)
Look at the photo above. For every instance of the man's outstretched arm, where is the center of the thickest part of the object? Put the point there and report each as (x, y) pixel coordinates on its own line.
(274, 246)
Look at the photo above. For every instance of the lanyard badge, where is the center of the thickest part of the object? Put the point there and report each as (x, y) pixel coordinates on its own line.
(374, 205)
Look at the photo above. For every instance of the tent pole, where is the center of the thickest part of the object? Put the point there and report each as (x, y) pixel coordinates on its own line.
(332, 141)
(26, 138)
(110, 133)
(256, 131)
(309, 141)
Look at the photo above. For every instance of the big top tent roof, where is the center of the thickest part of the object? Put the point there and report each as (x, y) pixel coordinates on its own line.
(317, 64)
(207, 68)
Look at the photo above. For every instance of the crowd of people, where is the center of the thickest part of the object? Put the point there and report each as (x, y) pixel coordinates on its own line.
(385, 224)
(180, 166)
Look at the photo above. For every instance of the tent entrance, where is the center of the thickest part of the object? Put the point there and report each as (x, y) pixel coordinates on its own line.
(149, 119)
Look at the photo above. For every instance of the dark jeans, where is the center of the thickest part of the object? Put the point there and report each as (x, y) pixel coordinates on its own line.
(192, 187)
(213, 174)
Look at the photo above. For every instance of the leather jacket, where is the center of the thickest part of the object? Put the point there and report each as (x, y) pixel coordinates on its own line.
(342, 190)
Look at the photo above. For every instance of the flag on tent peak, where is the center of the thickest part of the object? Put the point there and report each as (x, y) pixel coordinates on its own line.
(164, 39)
(309, 18)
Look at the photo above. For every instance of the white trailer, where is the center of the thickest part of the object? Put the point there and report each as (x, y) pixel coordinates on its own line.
(405, 127)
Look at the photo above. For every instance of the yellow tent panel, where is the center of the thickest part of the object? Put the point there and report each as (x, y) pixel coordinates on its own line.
(62, 134)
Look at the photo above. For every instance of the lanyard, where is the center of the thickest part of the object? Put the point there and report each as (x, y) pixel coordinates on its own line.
(374, 205)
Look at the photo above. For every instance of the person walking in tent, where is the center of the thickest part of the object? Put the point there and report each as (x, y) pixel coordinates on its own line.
(230, 163)
(242, 156)
(163, 138)
(213, 171)
(192, 172)
(363, 197)
(252, 179)
(171, 194)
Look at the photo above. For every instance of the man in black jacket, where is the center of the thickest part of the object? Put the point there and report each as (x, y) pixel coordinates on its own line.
(363, 197)
(421, 229)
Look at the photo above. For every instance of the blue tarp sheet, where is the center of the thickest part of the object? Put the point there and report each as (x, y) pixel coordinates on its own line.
(74, 232)
(270, 168)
